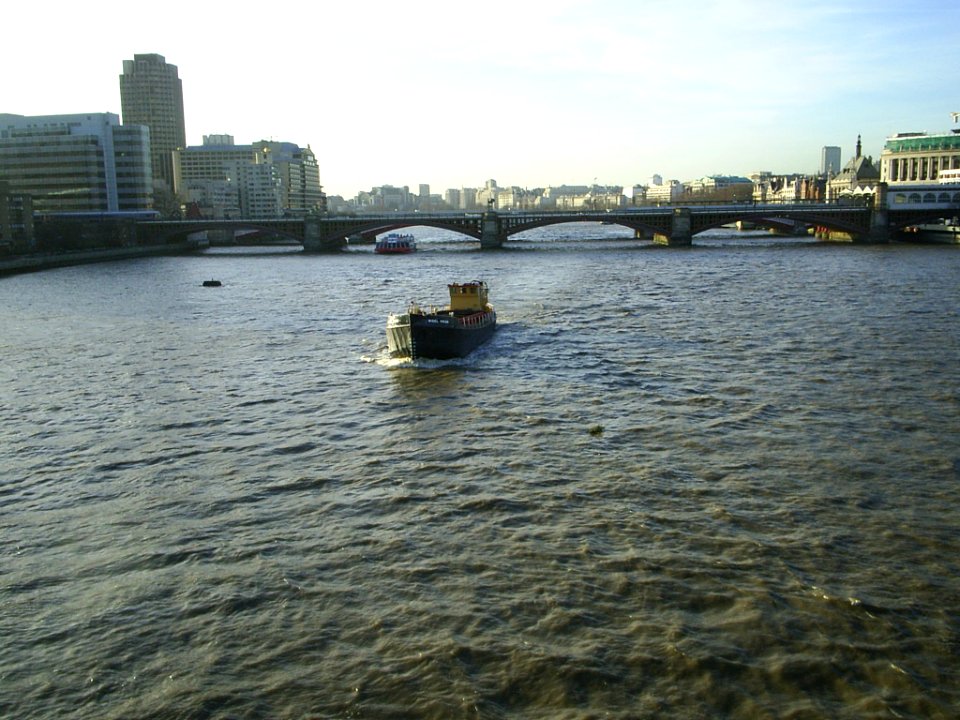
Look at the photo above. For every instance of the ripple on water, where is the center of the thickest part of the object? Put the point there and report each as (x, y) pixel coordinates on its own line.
(703, 492)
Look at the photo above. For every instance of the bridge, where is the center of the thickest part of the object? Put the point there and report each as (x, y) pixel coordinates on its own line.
(668, 225)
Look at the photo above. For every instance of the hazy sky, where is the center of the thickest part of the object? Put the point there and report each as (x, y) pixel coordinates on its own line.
(528, 93)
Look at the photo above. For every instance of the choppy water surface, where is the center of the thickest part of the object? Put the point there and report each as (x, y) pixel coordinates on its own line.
(714, 482)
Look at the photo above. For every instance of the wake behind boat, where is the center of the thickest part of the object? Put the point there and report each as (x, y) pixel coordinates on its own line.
(451, 332)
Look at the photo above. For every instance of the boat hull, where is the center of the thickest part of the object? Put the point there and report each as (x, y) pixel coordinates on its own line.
(948, 234)
(444, 337)
(399, 339)
(438, 336)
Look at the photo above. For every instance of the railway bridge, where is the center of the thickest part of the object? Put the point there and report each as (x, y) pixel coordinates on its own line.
(668, 225)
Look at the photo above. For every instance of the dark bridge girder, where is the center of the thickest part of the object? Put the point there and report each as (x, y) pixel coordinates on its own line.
(493, 228)
(670, 225)
(678, 225)
(900, 219)
(163, 231)
(490, 228)
(850, 220)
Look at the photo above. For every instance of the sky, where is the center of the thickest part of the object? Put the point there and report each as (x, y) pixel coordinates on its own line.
(526, 92)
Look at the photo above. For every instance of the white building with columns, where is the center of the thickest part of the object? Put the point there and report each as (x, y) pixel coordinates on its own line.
(922, 168)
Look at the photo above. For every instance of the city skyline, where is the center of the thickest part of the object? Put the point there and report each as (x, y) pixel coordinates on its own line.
(530, 96)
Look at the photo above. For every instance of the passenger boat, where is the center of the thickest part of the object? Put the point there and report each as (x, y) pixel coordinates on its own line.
(451, 332)
(395, 243)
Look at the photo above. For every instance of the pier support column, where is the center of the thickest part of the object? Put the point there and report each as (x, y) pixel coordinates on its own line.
(490, 236)
(879, 217)
(680, 232)
(314, 241)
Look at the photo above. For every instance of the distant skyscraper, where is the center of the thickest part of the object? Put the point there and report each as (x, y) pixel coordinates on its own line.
(151, 94)
(830, 160)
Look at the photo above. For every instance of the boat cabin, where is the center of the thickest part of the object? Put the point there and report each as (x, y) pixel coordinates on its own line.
(468, 297)
(396, 243)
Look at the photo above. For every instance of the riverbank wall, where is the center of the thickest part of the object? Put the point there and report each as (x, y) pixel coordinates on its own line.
(34, 262)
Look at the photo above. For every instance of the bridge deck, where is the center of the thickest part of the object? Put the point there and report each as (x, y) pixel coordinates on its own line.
(492, 228)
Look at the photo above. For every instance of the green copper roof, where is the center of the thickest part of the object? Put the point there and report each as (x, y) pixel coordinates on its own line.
(921, 143)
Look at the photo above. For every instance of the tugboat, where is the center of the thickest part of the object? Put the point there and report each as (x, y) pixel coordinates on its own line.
(395, 244)
(442, 334)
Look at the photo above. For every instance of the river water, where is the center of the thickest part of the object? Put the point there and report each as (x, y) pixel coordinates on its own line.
(721, 481)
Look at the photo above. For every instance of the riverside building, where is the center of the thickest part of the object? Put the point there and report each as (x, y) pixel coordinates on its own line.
(793, 188)
(922, 167)
(151, 94)
(659, 191)
(856, 182)
(81, 163)
(265, 179)
(16, 221)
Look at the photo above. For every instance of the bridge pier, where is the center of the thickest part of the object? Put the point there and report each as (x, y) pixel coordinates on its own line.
(877, 230)
(315, 241)
(879, 217)
(681, 227)
(491, 236)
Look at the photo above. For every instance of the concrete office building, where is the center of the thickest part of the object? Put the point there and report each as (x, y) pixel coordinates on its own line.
(663, 192)
(265, 179)
(299, 176)
(16, 221)
(228, 181)
(452, 198)
(830, 160)
(151, 94)
(468, 198)
(77, 163)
